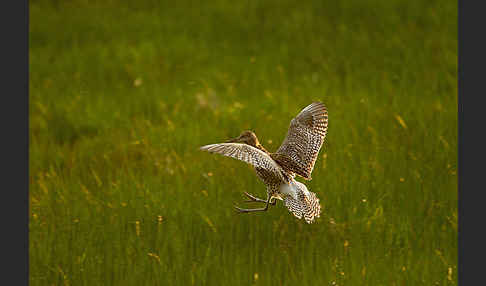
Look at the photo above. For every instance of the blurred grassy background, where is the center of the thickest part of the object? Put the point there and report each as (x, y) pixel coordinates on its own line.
(122, 94)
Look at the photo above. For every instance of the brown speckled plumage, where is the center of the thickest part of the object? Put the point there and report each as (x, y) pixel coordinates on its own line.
(296, 156)
(298, 153)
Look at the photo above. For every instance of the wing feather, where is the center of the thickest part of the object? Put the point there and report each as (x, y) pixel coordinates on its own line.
(299, 150)
(248, 154)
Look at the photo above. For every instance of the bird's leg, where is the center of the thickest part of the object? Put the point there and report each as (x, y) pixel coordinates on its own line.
(252, 198)
(273, 201)
(255, 210)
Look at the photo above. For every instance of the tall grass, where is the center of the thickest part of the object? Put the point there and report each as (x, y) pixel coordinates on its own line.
(123, 94)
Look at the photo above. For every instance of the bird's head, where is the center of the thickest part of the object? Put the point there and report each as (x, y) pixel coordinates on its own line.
(246, 137)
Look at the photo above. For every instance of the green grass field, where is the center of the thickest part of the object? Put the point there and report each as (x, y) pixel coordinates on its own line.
(123, 93)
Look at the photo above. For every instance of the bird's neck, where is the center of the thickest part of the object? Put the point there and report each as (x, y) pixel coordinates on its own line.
(260, 146)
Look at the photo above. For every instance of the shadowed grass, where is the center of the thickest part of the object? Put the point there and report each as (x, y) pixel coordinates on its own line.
(122, 96)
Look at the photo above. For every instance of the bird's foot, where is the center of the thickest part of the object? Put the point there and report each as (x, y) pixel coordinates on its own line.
(252, 198)
(241, 210)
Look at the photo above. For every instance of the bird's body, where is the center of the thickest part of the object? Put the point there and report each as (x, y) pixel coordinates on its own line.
(296, 156)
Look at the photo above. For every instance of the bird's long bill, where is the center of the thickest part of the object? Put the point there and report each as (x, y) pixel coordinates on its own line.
(232, 140)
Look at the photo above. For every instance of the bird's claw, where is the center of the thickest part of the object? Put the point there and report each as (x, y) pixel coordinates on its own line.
(241, 210)
(252, 198)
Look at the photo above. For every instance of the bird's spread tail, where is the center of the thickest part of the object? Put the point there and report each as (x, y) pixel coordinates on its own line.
(306, 204)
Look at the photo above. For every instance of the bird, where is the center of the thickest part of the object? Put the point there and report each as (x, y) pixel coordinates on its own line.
(296, 156)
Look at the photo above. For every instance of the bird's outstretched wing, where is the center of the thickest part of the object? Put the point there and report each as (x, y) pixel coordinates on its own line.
(248, 154)
(298, 152)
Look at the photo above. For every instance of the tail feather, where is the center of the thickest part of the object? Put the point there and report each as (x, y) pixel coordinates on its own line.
(305, 204)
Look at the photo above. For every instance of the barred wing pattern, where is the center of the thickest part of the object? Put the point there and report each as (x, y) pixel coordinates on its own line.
(298, 152)
(250, 155)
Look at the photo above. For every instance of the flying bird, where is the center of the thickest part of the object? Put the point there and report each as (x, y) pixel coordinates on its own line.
(296, 156)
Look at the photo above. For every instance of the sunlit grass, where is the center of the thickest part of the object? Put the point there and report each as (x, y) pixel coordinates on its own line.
(121, 97)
